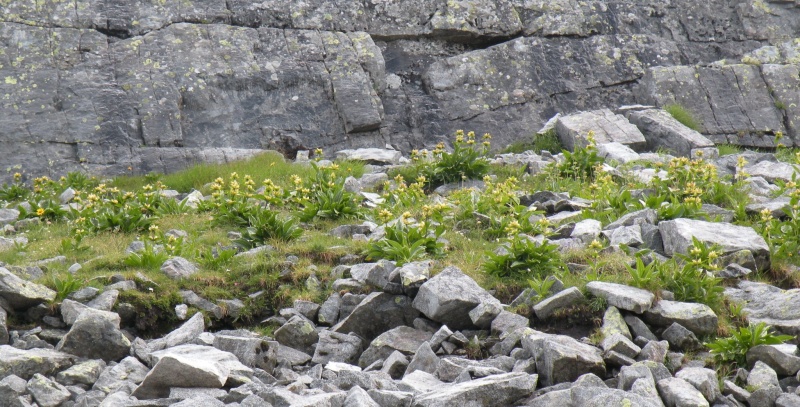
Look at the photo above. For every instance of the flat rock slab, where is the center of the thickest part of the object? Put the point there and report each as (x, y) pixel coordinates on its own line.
(371, 155)
(180, 371)
(608, 127)
(497, 390)
(662, 131)
(698, 318)
(771, 305)
(26, 363)
(677, 235)
(622, 296)
(20, 293)
(772, 171)
(678, 392)
(550, 305)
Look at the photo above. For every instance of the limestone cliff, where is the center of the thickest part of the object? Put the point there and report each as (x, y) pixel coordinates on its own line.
(108, 85)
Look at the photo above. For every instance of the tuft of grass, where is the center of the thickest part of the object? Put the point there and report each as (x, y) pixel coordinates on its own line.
(682, 115)
(548, 141)
(728, 149)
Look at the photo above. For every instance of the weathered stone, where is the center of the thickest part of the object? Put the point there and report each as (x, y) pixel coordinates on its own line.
(772, 171)
(628, 235)
(424, 359)
(377, 313)
(677, 392)
(498, 390)
(82, 373)
(617, 152)
(507, 322)
(8, 216)
(178, 267)
(560, 358)
(25, 363)
(329, 310)
(768, 304)
(449, 296)
(404, 339)
(698, 318)
(298, 333)
(681, 338)
(358, 397)
(22, 294)
(337, 347)
(614, 324)
(483, 315)
(370, 155)
(781, 358)
(662, 131)
(587, 230)
(607, 127)
(761, 376)
(678, 234)
(46, 392)
(563, 299)
(127, 371)
(704, 380)
(395, 365)
(622, 296)
(249, 348)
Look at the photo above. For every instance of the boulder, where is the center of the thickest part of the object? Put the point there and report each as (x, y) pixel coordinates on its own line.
(617, 152)
(337, 347)
(677, 392)
(607, 127)
(8, 216)
(26, 363)
(178, 267)
(622, 296)
(403, 339)
(377, 313)
(563, 299)
(449, 296)
(560, 358)
(498, 390)
(771, 171)
(704, 380)
(370, 155)
(85, 373)
(677, 235)
(94, 336)
(662, 131)
(127, 373)
(698, 318)
(46, 392)
(781, 358)
(22, 294)
(298, 333)
(771, 305)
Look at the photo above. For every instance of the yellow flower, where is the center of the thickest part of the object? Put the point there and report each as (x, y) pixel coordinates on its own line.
(17, 176)
(40, 212)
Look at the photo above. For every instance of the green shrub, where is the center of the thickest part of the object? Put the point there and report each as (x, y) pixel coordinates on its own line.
(151, 258)
(547, 141)
(16, 191)
(734, 348)
(266, 225)
(521, 258)
(465, 162)
(682, 115)
(328, 198)
(695, 280)
(581, 163)
(65, 286)
(405, 242)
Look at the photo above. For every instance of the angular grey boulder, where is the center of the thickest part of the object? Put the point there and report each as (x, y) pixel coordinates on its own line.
(178, 268)
(698, 318)
(661, 130)
(622, 296)
(561, 358)
(404, 339)
(679, 393)
(498, 390)
(371, 155)
(704, 380)
(678, 234)
(46, 392)
(94, 336)
(26, 363)
(768, 304)
(607, 127)
(377, 313)
(449, 296)
(298, 333)
(22, 294)
(781, 358)
(179, 371)
(337, 347)
(563, 299)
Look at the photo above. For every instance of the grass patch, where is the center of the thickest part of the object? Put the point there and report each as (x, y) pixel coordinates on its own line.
(682, 115)
(729, 149)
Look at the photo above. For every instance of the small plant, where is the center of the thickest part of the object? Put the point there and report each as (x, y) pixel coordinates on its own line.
(522, 258)
(682, 115)
(541, 286)
(406, 242)
(65, 286)
(644, 276)
(734, 348)
(266, 225)
(695, 280)
(464, 163)
(582, 162)
(327, 197)
(150, 258)
(16, 191)
(216, 258)
(547, 141)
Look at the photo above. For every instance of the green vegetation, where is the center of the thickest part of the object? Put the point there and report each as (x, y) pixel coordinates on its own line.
(682, 115)
(734, 348)
(486, 231)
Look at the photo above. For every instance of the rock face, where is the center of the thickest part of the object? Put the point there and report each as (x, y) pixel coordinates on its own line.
(678, 233)
(158, 85)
